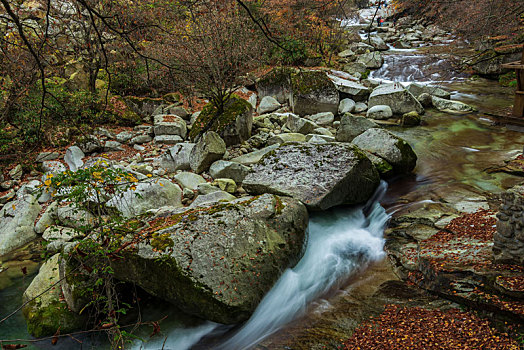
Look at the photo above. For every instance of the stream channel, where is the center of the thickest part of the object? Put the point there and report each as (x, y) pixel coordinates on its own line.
(344, 261)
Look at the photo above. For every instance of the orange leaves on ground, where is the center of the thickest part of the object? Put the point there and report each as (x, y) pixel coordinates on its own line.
(415, 328)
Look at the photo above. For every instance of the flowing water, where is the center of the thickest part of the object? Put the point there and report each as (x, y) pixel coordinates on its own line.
(453, 152)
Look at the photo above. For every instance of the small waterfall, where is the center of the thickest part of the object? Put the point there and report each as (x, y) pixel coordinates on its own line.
(340, 244)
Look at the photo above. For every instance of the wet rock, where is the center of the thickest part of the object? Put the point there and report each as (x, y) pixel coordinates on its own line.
(419, 89)
(393, 149)
(450, 106)
(351, 126)
(425, 100)
(208, 149)
(396, 97)
(410, 119)
(214, 256)
(319, 175)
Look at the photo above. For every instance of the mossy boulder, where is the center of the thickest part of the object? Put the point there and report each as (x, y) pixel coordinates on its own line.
(394, 150)
(218, 262)
(410, 119)
(313, 92)
(233, 125)
(47, 313)
(319, 175)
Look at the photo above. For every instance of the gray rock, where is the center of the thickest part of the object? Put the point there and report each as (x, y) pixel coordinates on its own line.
(300, 125)
(355, 68)
(17, 172)
(360, 107)
(313, 92)
(167, 139)
(151, 194)
(347, 105)
(322, 131)
(169, 124)
(449, 106)
(396, 97)
(6, 197)
(189, 180)
(124, 136)
(17, 220)
(346, 53)
(379, 112)
(355, 90)
(425, 100)
(351, 126)
(268, 104)
(31, 187)
(371, 59)
(212, 198)
(221, 261)
(319, 175)
(46, 156)
(140, 139)
(53, 167)
(419, 89)
(47, 219)
(378, 43)
(177, 157)
(393, 149)
(229, 170)
(253, 100)
(321, 119)
(286, 137)
(361, 47)
(44, 309)
(60, 233)
(255, 156)
(74, 217)
(113, 146)
(209, 148)
(207, 188)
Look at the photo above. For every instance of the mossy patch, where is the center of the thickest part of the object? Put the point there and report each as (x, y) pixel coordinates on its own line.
(307, 82)
(45, 321)
(235, 107)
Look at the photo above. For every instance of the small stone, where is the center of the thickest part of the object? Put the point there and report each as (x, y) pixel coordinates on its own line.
(379, 112)
(347, 105)
(140, 139)
(139, 148)
(124, 136)
(7, 196)
(227, 185)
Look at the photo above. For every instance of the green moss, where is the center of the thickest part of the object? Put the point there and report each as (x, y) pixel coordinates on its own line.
(45, 321)
(279, 205)
(161, 242)
(235, 107)
(309, 81)
(383, 167)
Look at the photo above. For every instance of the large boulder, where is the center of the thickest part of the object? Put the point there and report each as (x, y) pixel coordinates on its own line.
(396, 97)
(351, 126)
(300, 125)
(150, 194)
(221, 260)
(208, 149)
(45, 311)
(313, 92)
(276, 83)
(397, 152)
(319, 175)
(234, 124)
(450, 106)
(17, 221)
(169, 124)
(268, 104)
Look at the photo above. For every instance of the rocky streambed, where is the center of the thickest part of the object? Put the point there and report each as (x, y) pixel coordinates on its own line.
(227, 212)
